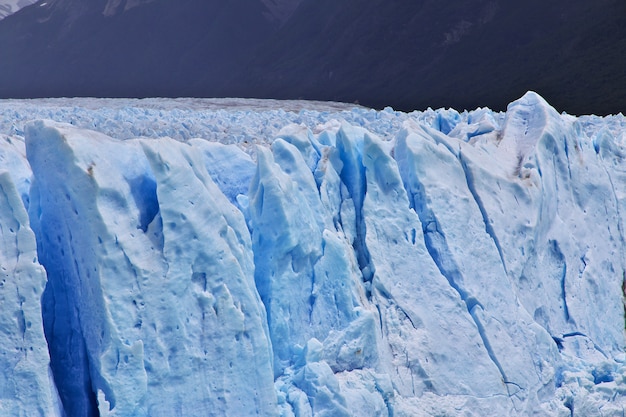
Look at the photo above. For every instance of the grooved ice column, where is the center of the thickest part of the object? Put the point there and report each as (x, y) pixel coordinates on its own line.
(407, 286)
(548, 197)
(466, 254)
(151, 307)
(26, 386)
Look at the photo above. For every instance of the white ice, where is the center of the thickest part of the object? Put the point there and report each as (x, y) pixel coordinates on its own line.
(229, 257)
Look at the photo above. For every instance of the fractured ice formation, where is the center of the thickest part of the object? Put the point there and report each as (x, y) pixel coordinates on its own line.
(339, 262)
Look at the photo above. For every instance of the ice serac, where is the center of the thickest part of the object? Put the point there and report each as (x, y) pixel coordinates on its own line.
(13, 160)
(26, 385)
(308, 278)
(230, 168)
(544, 194)
(457, 238)
(150, 307)
(407, 286)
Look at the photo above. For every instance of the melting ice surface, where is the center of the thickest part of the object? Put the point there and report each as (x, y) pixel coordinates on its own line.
(230, 258)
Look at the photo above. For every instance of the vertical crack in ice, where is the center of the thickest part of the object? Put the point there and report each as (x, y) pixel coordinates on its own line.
(353, 176)
(556, 252)
(471, 186)
(21, 319)
(440, 252)
(488, 347)
(385, 396)
(68, 353)
(566, 149)
(564, 294)
(360, 247)
(557, 191)
(313, 290)
(392, 300)
(624, 295)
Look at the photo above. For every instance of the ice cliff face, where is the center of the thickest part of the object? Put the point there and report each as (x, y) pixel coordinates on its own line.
(452, 263)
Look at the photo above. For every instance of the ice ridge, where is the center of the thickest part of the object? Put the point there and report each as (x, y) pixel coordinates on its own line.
(356, 263)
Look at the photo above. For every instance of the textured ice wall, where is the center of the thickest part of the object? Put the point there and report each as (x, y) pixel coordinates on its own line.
(150, 307)
(458, 262)
(26, 385)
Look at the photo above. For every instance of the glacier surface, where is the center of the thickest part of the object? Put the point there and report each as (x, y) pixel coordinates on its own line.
(256, 258)
(8, 7)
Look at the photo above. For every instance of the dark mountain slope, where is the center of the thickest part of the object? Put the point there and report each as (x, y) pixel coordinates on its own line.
(424, 53)
(407, 54)
(163, 48)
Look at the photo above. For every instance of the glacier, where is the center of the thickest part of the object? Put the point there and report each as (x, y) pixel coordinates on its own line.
(233, 257)
(8, 7)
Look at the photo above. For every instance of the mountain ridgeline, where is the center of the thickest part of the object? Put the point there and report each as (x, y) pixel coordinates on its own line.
(407, 54)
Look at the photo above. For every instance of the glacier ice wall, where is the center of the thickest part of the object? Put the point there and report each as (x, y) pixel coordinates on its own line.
(26, 387)
(358, 263)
